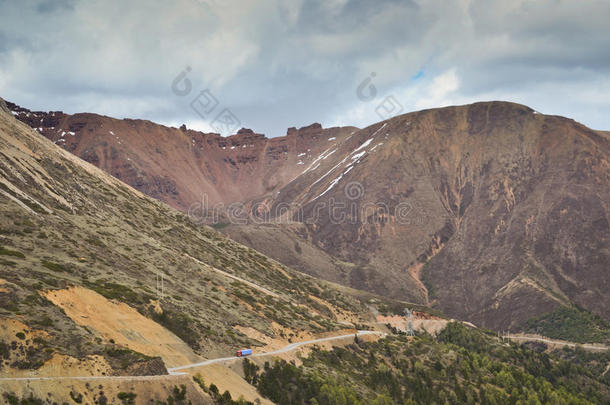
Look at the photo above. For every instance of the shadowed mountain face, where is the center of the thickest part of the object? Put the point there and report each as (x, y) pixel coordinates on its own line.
(491, 212)
(180, 166)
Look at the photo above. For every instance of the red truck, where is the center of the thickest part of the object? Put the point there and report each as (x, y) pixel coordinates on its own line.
(243, 352)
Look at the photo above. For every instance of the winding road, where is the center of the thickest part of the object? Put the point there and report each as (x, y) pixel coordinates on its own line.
(285, 349)
(173, 372)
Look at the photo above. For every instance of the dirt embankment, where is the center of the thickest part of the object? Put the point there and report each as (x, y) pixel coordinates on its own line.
(123, 324)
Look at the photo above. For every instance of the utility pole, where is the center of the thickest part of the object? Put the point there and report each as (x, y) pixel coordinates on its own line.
(160, 289)
(409, 315)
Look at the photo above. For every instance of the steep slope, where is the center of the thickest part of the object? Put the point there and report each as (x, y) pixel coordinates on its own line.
(491, 211)
(179, 166)
(101, 279)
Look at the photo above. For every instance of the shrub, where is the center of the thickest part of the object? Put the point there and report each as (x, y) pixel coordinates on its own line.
(127, 398)
(8, 252)
(55, 266)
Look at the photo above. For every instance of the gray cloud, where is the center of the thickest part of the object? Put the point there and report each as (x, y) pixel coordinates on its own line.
(282, 63)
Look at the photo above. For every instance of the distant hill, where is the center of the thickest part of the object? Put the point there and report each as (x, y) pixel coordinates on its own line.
(493, 212)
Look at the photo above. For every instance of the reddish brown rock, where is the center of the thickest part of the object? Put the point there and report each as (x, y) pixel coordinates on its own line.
(180, 166)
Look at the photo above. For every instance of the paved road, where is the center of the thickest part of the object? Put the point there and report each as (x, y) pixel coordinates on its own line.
(173, 372)
(285, 349)
(97, 377)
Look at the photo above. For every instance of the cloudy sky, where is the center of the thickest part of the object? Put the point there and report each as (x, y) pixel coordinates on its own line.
(277, 63)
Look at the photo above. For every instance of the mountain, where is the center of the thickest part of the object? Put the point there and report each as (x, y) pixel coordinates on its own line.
(491, 212)
(178, 165)
(102, 288)
(98, 279)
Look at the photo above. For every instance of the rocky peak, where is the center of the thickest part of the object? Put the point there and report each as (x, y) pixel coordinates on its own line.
(313, 127)
(243, 131)
(177, 164)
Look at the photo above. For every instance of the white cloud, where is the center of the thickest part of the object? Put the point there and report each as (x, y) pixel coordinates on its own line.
(281, 63)
(438, 93)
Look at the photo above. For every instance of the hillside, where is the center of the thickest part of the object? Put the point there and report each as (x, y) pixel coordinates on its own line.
(99, 279)
(490, 212)
(179, 165)
(460, 366)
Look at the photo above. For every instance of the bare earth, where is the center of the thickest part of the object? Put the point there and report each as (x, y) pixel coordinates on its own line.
(125, 325)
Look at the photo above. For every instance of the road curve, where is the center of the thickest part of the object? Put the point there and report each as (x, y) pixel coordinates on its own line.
(174, 372)
(285, 349)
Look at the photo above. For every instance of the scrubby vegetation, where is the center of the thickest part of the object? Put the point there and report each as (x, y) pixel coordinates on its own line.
(217, 397)
(462, 366)
(8, 252)
(13, 400)
(116, 291)
(573, 324)
(127, 398)
(121, 357)
(181, 324)
(54, 266)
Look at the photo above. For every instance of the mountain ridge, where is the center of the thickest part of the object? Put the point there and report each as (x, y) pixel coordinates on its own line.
(192, 167)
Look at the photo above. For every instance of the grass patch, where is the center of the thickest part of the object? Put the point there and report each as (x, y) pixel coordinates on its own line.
(124, 356)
